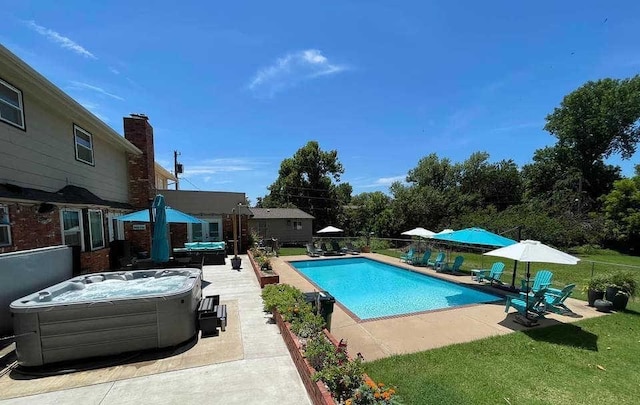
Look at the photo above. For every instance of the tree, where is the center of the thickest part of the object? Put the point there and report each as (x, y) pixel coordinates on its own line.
(594, 122)
(306, 181)
(622, 210)
(371, 212)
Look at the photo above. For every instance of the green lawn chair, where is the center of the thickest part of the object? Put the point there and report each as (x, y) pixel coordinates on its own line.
(423, 261)
(541, 280)
(439, 260)
(408, 256)
(535, 304)
(492, 275)
(454, 268)
(554, 299)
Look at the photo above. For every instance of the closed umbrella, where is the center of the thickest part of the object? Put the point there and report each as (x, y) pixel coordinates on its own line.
(160, 242)
(532, 251)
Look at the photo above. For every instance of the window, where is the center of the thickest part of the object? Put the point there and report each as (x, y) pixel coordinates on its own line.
(96, 229)
(297, 225)
(196, 233)
(5, 226)
(72, 234)
(84, 145)
(214, 231)
(116, 228)
(11, 109)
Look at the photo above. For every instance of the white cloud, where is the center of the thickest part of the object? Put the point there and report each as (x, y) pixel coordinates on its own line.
(292, 69)
(515, 127)
(387, 181)
(94, 108)
(114, 70)
(217, 166)
(61, 40)
(86, 86)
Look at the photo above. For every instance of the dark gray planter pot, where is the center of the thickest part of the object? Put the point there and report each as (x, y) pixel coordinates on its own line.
(235, 263)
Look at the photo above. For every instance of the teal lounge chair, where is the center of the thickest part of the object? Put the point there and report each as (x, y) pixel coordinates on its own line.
(408, 256)
(454, 268)
(492, 274)
(554, 299)
(541, 280)
(439, 260)
(424, 260)
(535, 304)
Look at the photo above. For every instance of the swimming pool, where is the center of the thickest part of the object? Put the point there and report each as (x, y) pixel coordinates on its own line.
(371, 289)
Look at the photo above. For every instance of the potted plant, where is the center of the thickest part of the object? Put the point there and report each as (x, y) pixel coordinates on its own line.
(621, 287)
(596, 287)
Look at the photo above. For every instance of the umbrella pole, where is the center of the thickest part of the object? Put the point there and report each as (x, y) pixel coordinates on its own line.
(526, 321)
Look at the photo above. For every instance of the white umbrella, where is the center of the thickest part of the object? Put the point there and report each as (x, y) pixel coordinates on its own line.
(330, 229)
(444, 231)
(533, 251)
(421, 232)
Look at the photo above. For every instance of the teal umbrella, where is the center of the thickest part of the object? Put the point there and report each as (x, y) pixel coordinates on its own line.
(159, 242)
(475, 236)
(172, 216)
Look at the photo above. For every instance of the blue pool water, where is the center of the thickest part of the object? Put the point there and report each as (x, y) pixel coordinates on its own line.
(371, 289)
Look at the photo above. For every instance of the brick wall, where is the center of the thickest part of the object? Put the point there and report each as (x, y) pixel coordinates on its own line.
(140, 240)
(96, 261)
(178, 234)
(30, 229)
(139, 132)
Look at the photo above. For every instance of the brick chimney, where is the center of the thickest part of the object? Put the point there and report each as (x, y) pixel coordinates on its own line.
(142, 173)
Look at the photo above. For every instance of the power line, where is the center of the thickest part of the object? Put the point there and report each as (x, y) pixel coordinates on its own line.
(189, 181)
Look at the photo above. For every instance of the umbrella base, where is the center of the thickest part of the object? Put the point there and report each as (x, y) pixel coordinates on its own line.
(528, 322)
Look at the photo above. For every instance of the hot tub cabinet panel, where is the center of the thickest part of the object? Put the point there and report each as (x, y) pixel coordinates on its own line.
(49, 332)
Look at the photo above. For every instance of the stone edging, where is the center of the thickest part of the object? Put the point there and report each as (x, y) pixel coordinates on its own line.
(263, 279)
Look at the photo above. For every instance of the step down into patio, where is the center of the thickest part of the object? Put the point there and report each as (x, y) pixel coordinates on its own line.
(212, 315)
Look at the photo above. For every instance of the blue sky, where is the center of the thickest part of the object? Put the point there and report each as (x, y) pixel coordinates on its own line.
(236, 87)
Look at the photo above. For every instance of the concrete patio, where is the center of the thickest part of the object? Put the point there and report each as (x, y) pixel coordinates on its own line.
(263, 372)
(423, 331)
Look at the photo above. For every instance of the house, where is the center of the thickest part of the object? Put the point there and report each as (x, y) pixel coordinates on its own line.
(217, 209)
(288, 225)
(65, 175)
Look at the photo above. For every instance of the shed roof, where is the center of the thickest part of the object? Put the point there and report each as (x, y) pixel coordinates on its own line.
(280, 213)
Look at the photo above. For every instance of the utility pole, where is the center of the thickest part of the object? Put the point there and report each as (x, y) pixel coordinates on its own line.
(177, 167)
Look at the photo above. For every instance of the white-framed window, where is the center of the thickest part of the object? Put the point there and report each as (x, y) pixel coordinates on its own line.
(84, 145)
(5, 226)
(96, 229)
(116, 228)
(209, 231)
(71, 222)
(11, 107)
(214, 232)
(297, 225)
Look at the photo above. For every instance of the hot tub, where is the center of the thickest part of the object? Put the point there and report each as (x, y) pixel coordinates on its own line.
(106, 313)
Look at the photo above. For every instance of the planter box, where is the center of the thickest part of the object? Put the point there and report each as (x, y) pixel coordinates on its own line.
(317, 391)
(263, 278)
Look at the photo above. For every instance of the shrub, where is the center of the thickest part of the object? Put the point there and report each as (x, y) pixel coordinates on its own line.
(319, 352)
(371, 393)
(305, 323)
(626, 281)
(598, 282)
(281, 297)
(342, 379)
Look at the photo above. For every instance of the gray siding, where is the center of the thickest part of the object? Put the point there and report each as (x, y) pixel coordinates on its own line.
(43, 156)
(278, 228)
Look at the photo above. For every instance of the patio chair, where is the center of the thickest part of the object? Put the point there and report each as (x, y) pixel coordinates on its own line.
(312, 251)
(408, 256)
(424, 260)
(454, 268)
(554, 299)
(352, 249)
(492, 274)
(535, 304)
(439, 260)
(335, 246)
(541, 280)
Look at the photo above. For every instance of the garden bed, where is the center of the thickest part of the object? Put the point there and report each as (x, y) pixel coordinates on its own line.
(263, 277)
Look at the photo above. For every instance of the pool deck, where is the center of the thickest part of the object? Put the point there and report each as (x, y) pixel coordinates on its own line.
(413, 333)
(247, 364)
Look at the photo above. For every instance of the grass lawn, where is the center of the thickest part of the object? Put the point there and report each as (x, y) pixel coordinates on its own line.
(292, 251)
(580, 274)
(595, 361)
